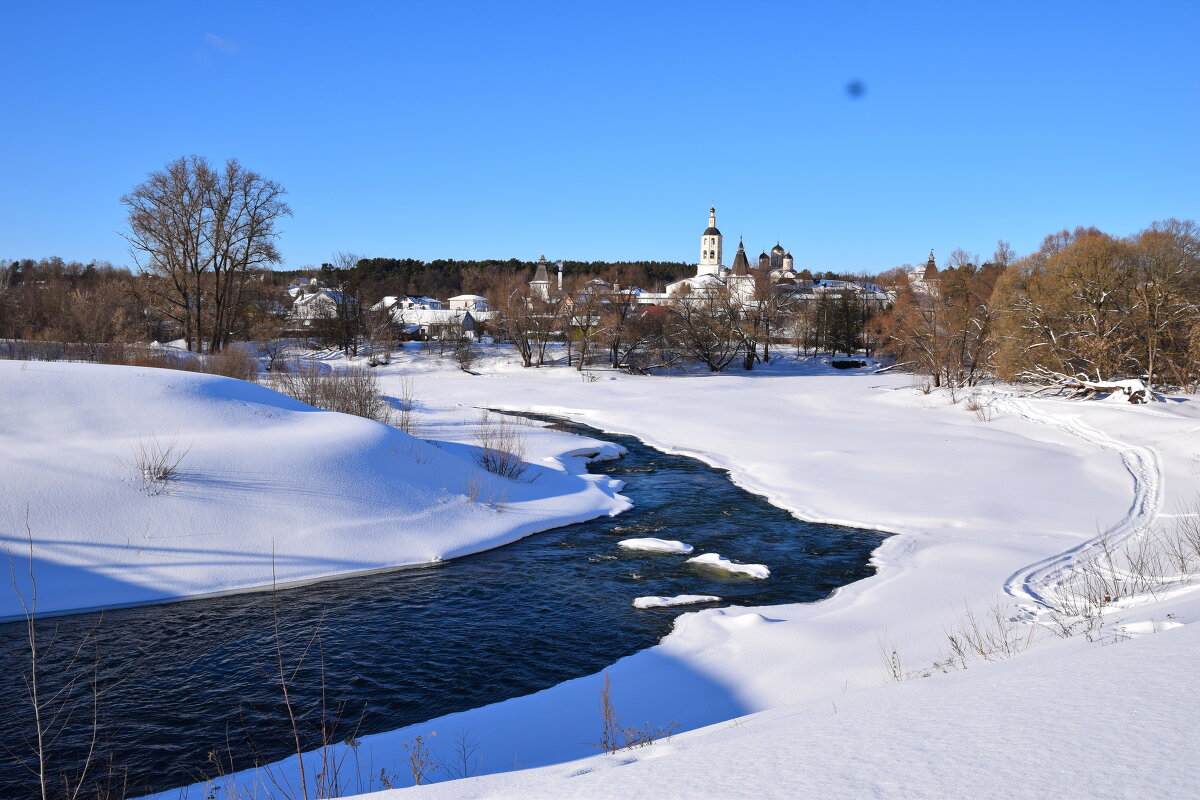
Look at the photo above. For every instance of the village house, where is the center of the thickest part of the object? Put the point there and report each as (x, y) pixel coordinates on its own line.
(312, 303)
(468, 302)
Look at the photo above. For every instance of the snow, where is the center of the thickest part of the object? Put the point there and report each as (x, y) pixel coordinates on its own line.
(677, 600)
(269, 488)
(975, 505)
(781, 701)
(656, 545)
(1049, 724)
(715, 561)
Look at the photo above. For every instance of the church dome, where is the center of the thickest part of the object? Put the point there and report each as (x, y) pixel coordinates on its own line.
(711, 232)
(777, 248)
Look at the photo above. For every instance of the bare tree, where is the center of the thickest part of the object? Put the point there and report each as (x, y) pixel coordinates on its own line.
(196, 232)
(1166, 263)
(524, 317)
(1066, 310)
(585, 318)
(619, 330)
(945, 331)
(341, 275)
(707, 326)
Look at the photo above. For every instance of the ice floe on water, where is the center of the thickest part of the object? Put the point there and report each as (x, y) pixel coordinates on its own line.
(714, 560)
(656, 545)
(677, 600)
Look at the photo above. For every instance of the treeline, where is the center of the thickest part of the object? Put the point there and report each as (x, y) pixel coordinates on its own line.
(69, 301)
(374, 278)
(1086, 307)
(52, 300)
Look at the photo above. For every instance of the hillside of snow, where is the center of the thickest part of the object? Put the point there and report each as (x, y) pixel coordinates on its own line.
(268, 489)
(990, 508)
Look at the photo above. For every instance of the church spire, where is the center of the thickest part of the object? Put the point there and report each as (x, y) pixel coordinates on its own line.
(931, 269)
(741, 265)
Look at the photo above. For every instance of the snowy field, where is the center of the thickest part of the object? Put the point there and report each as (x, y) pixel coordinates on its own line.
(991, 507)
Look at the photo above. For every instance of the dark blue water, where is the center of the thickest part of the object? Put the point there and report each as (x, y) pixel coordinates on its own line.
(185, 684)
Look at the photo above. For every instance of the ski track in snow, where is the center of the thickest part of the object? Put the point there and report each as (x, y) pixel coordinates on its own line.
(1038, 581)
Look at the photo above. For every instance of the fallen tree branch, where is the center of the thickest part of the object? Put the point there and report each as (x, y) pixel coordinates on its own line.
(1080, 387)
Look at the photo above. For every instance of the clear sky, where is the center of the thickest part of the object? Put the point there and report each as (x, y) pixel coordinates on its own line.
(605, 131)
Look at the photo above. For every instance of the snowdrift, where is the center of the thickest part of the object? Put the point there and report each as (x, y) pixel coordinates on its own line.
(268, 489)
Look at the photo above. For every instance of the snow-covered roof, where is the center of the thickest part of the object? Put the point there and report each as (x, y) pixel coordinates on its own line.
(469, 297)
(705, 282)
(321, 304)
(436, 316)
(408, 301)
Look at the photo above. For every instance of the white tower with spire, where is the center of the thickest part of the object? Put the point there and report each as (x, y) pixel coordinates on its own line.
(710, 247)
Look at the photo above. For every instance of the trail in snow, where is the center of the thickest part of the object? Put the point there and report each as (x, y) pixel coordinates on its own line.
(1040, 581)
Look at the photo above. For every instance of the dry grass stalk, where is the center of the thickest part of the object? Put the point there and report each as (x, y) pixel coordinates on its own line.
(615, 737)
(407, 417)
(155, 465)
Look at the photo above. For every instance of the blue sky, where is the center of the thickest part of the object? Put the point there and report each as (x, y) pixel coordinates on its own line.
(605, 131)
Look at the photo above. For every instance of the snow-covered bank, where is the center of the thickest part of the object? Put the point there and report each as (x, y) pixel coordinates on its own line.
(267, 486)
(1071, 720)
(982, 503)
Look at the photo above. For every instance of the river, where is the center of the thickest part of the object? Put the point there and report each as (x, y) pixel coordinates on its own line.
(185, 683)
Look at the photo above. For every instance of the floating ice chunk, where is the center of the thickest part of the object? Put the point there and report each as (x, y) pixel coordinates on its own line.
(714, 560)
(657, 545)
(678, 600)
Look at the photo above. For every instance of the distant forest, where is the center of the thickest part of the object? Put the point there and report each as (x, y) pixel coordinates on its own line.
(443, 278)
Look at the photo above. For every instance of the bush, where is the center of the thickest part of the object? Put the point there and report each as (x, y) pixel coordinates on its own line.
(233, 362)
(464, 354)
(156, 465)
(501, 447)
(353, 390)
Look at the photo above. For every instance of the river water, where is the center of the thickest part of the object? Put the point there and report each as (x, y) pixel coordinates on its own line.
(184, 683)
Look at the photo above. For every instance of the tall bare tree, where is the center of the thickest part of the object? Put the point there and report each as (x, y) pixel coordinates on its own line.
(196, 232)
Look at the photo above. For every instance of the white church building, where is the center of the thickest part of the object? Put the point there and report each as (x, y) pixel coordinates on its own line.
(744, 279)
(712, 274)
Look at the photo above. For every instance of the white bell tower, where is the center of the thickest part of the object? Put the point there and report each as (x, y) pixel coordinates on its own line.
(710, 247)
